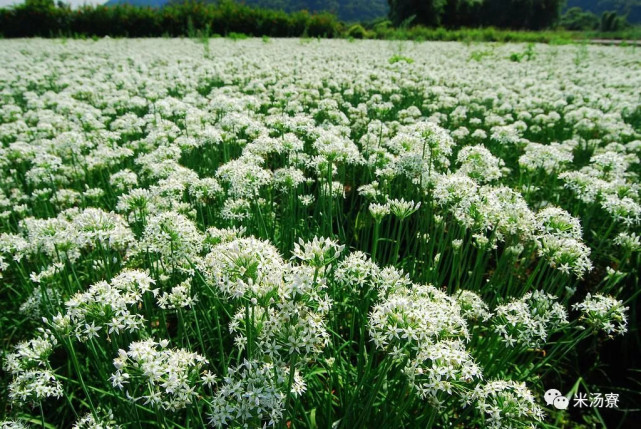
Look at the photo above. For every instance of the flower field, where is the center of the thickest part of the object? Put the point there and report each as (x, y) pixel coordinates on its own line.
(317, 234)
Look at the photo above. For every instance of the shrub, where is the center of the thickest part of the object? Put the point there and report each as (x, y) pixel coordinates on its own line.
(42, 18)
(357, 32)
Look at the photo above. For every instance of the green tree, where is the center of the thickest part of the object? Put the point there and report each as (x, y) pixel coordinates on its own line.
(576, 19)
(39, 4)
(428, 13)
(518, 14)
(522, 14)
(610, 21)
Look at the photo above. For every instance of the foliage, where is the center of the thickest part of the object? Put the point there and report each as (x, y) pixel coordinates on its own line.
(528, 54)
(489, 34)
(427, 13)
(610, 21)
(397, 58)
(575, 19)
(515, 14)
(345, 10)
(630, 9)
(180, 19)
(357, 31)
(578, 20)
(199, 20)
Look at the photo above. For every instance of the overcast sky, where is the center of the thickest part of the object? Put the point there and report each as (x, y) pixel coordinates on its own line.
(73, 3)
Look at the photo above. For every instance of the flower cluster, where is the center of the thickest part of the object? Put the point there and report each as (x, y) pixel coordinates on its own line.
(102, 420)
(425, 326)
(251, 394)
(158, 376)
(603, 313)
(317, 253)
(32, 377)
(107, 306)
(529, 321)
(506, 404)
(244, 267)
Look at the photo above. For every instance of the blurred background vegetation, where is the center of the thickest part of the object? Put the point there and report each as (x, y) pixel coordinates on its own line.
(467, 20)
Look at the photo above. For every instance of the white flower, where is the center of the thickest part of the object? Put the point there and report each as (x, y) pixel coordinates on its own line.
(554, 220)
(174, 238)
(166, 376)
(479, 163)
(250, 392)
(34, 385)
(629, 241)
(506, 404)
(180, 296)
(565, 253)
(111, 305)
(604, 313)
(402, 209)
(379, 211)
(549, 158)
(472, 306)
(244, 267)
(318, 252)
(529, 321)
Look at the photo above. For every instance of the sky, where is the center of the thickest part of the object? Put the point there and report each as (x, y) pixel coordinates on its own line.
(73, 3)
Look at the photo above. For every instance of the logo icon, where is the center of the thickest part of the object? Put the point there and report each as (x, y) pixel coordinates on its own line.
(581, 400)
(561, 403)
(554, 397)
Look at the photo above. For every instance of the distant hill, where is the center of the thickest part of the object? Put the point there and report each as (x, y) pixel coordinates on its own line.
(630, 7)
(347, 10)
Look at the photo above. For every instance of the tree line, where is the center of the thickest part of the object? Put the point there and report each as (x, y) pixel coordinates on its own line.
(424, 19)
(44, 18)
(514, 14)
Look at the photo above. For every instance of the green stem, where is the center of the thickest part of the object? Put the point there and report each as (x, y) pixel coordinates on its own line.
(290, 383)
(377, 229)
